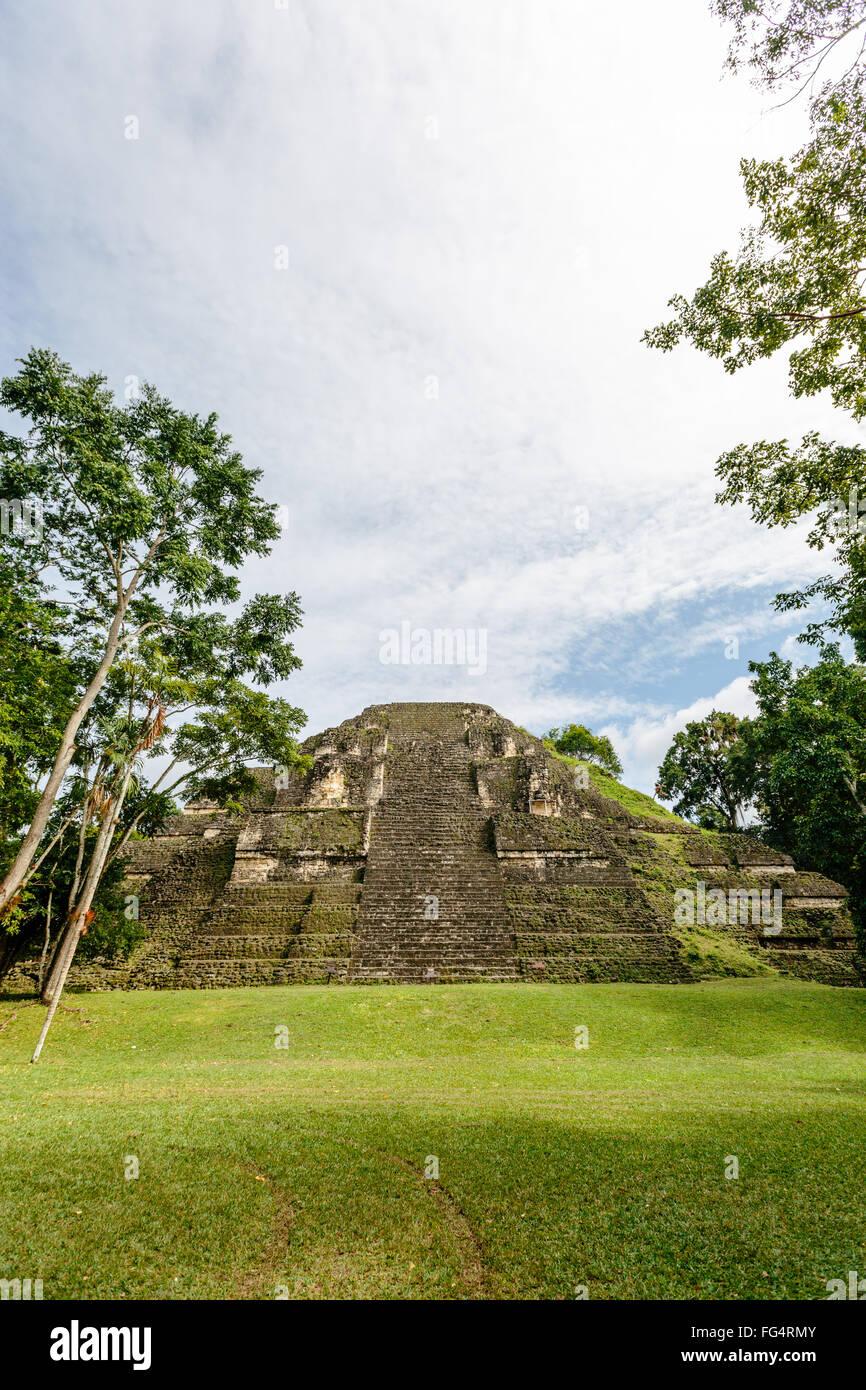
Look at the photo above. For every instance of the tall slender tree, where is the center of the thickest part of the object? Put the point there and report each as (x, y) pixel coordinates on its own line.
(147, 514)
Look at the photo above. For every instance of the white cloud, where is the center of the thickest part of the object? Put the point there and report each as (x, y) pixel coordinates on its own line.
(584, 166)
(643, 742)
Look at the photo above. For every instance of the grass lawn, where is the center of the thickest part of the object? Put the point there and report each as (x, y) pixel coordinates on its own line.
(302, 1168)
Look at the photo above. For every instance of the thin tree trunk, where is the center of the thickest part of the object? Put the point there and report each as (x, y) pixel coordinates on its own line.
(30, 844)
(58, 960)
(47, 939)
(70, 945)
(82, 839)
(60, 968)
(78, 920)
(41, 816)
(52, 1009)
(133, 825)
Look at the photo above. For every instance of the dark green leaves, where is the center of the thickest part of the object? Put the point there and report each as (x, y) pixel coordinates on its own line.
(796, 285)
(577, 741)
(703, 773)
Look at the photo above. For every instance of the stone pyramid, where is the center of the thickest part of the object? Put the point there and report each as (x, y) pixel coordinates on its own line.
(439, 842)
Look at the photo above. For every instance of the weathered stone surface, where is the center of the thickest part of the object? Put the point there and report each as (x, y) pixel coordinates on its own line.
(438, 842)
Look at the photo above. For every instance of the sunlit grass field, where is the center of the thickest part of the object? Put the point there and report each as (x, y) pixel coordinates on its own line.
(299, 1171)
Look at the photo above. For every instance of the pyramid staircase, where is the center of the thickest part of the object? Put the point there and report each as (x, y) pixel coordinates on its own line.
(433, 907)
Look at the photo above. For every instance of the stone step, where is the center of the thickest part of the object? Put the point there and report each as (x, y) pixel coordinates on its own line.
(210, 947)
(223, 974)
(453, 975)
(831, 967)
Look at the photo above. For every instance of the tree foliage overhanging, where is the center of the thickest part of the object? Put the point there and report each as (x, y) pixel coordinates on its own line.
(796, 286)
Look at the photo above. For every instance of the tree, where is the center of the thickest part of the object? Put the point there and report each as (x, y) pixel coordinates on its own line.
(797, 285)
(704, 773)
(232, 723)
(577, 741)
(148, 512)
(42, 911)
(785, 41)
(807, 747)
(36, 693)
(205, 755)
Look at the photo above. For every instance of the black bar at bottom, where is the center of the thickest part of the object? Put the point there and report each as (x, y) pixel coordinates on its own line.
(86, 1339)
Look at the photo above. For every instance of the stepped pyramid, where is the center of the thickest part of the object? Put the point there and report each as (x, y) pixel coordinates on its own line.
(438, 843)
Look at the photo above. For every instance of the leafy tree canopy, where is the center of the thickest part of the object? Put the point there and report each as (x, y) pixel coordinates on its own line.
(121, 622)
(788, 41)
(807, 751)
(704, 774)
(147, 514)
(37, 693)
(796, 285)
(577, 741)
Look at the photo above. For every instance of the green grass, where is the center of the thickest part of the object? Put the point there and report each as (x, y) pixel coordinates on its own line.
(636, 803)
(303, 1167)
(712, 953)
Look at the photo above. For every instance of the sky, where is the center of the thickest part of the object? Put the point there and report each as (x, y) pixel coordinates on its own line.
(406, 250)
